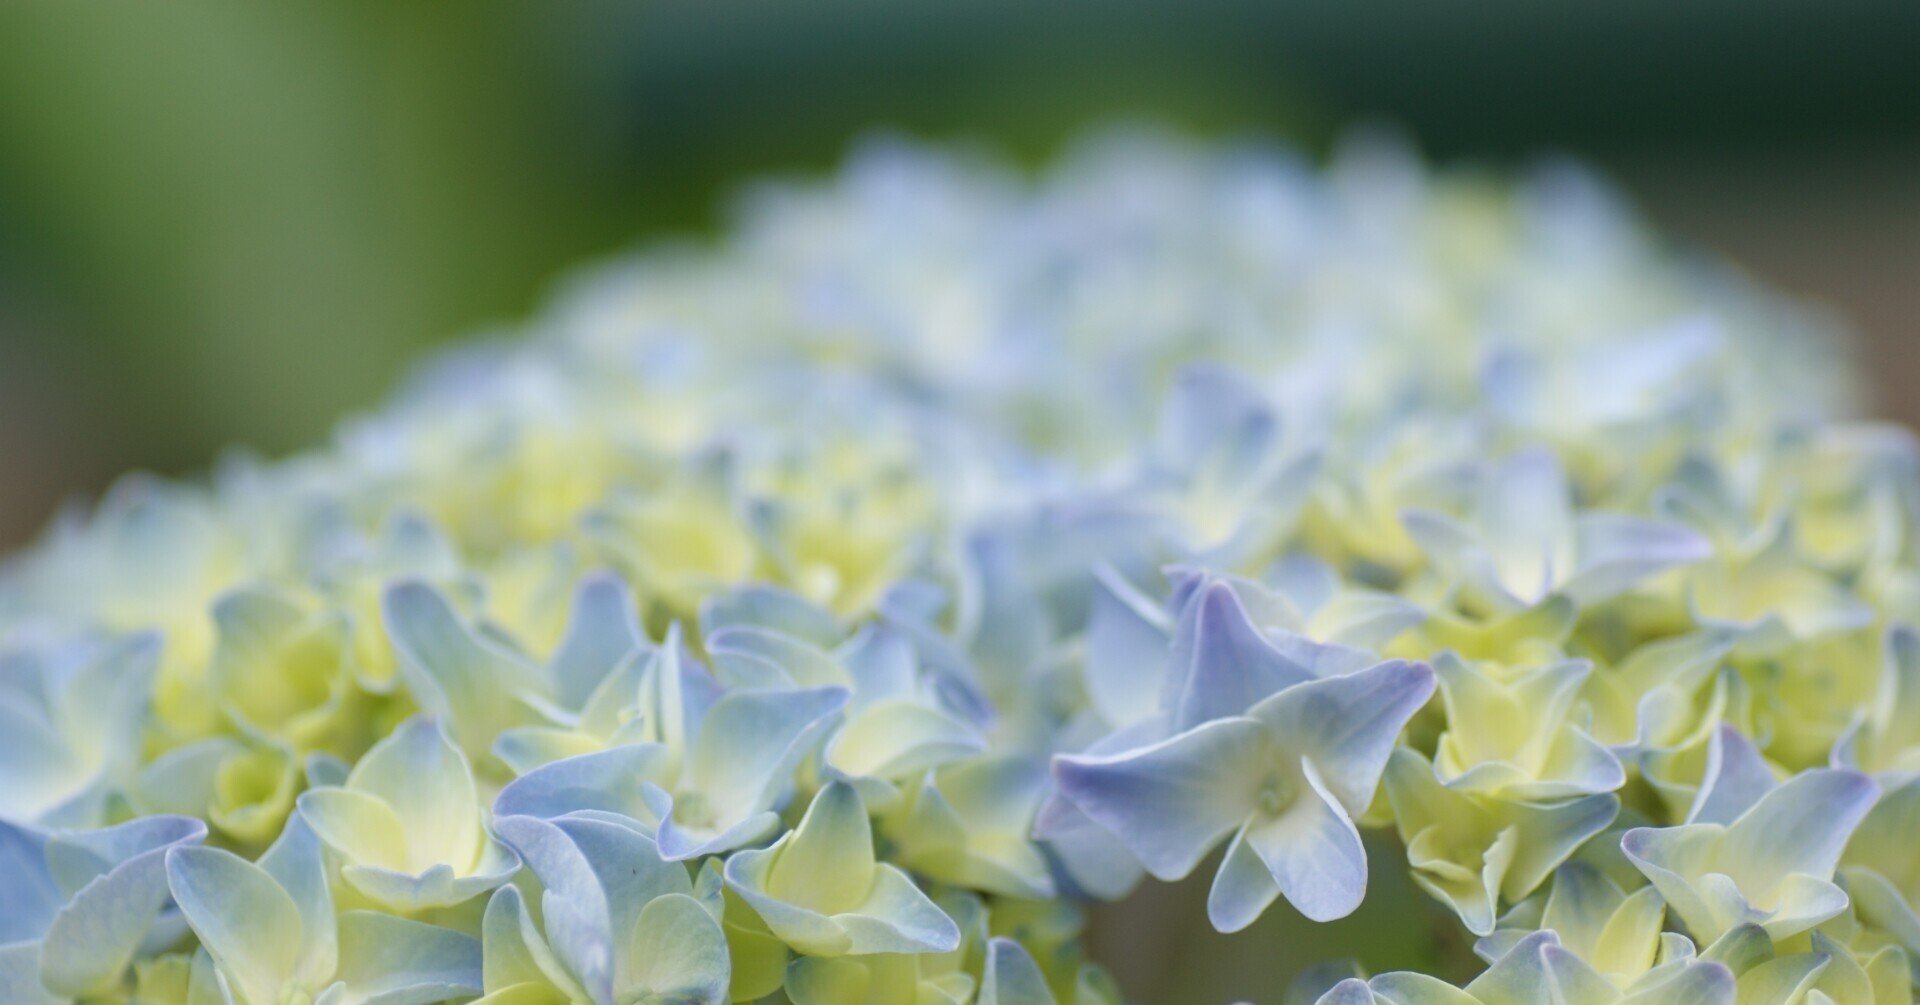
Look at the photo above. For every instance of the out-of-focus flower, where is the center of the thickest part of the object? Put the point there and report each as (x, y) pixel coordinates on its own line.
(1886, 739)
(1880, 872)
(281, 673)
(71, 719)
(1522, 540)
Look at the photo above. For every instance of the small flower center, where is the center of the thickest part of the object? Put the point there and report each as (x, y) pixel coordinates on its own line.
(1276, 793)
(693, 809)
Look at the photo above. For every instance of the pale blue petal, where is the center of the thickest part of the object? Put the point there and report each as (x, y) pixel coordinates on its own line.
(206, 985)
(1549, 833)
(899, 738)
(437, 887)
(769, 607)
(1242, 889)
(1573, 980)
(881, 662)
(37, 771)
(1222, 664)
(1882, 905)
(119, 879)
(608, 781)
(1617, 552)
(1671, 857)
(474, 684)
(1352, 991)
(1353, 617)
(420, 774)
(26, 886)
(20, 976)
(748, 656)
(573, 906)
(1518, 977)
(1697, 983)
(76, 859)
(525, 748)
(297, 861)
(1348, 725)
(1800, 827)
(1457, 553)
(105, 702)
(897, 917)
(1170, 803)
(1011, 977)
(1526, 512)
(1313, 851)
(1737, 777)
(1406, 988)
(1127, 651)
(514, 952)
(628, 868)
(1096, 862)
(675, 694)
(1306, 582)
(681, 842)
(677, 954)
(181, 781)
(325, 769)
(603, 632)
(392, 961)
(1321, 659)
(1210, 404)
(244, 919)
(748, 746)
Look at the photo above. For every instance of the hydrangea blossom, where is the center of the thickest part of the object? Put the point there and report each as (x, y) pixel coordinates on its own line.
(828, 615)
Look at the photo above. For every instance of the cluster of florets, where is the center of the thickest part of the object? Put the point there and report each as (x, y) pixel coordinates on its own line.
(826, 616)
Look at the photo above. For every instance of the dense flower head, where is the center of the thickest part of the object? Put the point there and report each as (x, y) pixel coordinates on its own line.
(827, 614)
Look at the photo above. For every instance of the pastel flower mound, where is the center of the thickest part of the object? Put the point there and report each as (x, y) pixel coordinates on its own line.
(830, 614)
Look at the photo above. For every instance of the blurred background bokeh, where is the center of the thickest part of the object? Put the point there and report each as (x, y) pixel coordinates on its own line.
(231, 223)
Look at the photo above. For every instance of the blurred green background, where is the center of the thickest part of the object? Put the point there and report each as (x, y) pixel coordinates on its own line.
(231, 223)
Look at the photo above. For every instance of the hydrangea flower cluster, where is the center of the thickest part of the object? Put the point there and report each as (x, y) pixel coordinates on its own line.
(827, 614)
